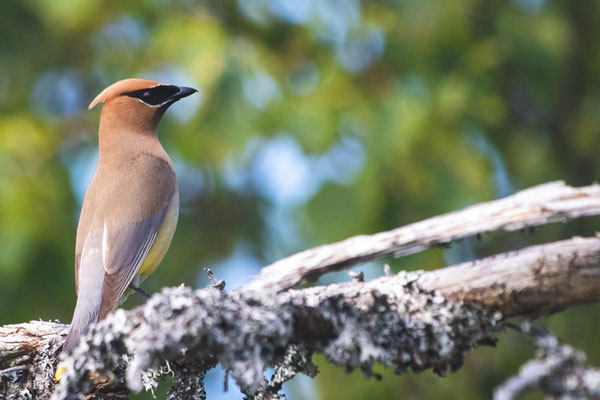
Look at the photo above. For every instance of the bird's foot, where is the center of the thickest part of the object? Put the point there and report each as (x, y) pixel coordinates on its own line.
(140, 291)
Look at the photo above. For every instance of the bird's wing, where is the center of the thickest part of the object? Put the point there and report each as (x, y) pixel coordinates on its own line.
(126, 250)
(127, 216)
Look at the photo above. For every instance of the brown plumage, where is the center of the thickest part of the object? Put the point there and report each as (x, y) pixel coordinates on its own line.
(130, 208)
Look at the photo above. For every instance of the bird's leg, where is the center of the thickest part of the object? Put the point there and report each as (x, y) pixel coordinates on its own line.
(139, 290)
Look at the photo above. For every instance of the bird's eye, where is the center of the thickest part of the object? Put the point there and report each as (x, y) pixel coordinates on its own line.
(154, 96)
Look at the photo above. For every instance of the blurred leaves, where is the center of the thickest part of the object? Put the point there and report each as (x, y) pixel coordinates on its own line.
(315, 120)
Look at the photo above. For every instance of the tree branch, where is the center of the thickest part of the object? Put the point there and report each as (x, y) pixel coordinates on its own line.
(539, 205)
(533, 281)
(558, 370)
(413, 320)
(390, 320)
(21, 339)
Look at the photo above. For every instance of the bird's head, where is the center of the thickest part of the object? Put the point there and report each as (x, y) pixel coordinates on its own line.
(138, 103)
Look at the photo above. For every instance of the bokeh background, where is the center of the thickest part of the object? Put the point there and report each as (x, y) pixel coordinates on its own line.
(314, 120)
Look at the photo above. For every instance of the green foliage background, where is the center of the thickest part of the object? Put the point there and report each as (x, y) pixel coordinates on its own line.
(314, 121)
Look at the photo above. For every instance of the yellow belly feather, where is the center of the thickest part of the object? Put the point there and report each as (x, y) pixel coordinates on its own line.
(162, 242)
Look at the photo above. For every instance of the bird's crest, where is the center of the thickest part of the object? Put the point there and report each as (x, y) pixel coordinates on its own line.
(120, 87)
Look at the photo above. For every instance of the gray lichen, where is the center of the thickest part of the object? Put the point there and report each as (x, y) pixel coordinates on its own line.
(396, 323)
(558, 371)
(183, 333)
(390, 321)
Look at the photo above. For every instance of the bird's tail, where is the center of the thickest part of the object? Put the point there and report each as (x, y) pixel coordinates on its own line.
(79, 326)
(89, 298)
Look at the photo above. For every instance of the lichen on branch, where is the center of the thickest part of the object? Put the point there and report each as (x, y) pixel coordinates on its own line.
(397, 324)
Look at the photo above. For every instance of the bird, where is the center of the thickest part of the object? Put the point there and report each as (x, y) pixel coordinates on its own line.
(131, 205)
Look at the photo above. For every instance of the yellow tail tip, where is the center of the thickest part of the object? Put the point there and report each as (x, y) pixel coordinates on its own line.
(59, 371)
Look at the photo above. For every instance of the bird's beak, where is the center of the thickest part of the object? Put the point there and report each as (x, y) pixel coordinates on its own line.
(183, 92)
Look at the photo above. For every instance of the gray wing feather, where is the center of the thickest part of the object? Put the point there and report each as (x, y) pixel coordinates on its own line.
(133, 244)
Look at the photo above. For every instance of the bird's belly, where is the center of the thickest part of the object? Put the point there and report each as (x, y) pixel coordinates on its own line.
(163, 240)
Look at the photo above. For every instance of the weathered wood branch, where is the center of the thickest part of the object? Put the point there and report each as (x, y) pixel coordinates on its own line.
(533, 281)
(536, 280)
(539, 205)
(22, 339)
(411, 320)
(397, 320)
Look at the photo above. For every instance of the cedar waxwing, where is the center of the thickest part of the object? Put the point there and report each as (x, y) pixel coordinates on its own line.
(131, 205)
